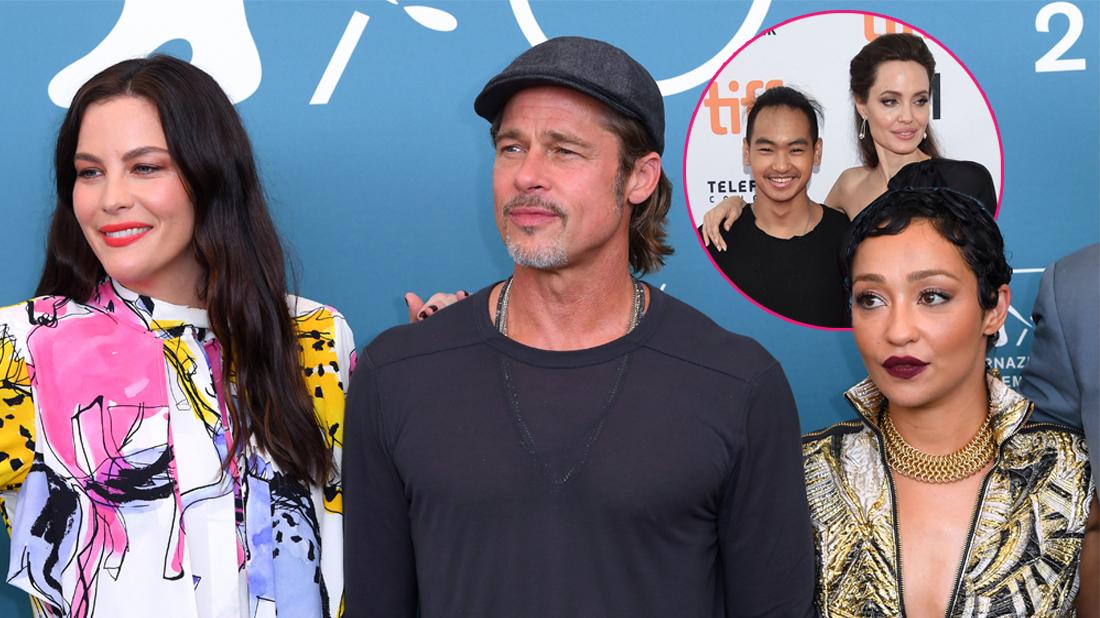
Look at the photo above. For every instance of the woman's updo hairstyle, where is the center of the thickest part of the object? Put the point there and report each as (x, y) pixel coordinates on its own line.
(863, 71)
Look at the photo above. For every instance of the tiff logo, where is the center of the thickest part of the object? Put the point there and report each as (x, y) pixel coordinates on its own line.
(716, 104)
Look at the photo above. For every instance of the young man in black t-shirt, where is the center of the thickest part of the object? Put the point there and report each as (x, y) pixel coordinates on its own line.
(784, 249)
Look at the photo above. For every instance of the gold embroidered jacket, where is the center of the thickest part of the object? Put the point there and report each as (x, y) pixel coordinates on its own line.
(1022, 552)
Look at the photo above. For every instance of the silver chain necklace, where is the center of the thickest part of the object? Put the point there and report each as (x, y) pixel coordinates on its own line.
(527, 439)
(636, 306)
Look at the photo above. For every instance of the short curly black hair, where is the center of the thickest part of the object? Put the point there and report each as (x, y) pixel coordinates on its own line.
(959, 218)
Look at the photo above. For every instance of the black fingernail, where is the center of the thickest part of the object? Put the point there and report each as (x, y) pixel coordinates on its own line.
(433, 308)
(406, 301)
(421, 315)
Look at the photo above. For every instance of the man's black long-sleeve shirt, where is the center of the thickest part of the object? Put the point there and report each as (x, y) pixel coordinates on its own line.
(657, 475)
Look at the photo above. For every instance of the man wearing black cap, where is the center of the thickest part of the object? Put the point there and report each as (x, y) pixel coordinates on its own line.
(571, 441)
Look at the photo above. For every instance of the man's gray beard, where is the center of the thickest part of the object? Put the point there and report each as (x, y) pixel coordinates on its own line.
(543, 258)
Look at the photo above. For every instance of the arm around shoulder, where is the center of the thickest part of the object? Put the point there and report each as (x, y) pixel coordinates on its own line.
(721, 217)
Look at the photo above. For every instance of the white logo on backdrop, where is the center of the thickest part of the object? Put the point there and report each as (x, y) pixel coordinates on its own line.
(222, 44)
(525, 17)
(217, 30)
(429, 17)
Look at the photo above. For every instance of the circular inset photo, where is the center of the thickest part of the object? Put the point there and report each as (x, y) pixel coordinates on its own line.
(806, 125)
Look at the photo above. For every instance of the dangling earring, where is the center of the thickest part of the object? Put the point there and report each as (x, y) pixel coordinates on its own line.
(925, 136)
(863, 129)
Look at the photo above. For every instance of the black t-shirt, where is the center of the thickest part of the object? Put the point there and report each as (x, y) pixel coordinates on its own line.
(657, 475)
(799, 278)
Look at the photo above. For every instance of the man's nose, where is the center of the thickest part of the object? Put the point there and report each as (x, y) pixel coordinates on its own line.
(531, 174)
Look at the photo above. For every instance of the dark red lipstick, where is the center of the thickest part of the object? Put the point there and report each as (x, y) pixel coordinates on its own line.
(904, 367)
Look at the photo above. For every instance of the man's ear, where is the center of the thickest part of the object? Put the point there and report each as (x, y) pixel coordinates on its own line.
(643, 178)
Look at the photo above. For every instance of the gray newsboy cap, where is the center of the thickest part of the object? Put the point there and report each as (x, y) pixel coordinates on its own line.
(600, 70)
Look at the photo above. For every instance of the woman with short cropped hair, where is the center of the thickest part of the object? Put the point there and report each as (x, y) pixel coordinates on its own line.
(942, 497)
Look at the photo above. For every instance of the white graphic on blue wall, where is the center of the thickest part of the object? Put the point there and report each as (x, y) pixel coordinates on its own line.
(1012, 349)
(217, 31)
(525, 17)
(222, 44)
(429, 17)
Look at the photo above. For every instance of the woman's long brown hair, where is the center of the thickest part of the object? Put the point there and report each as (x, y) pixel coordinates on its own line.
(235, 242)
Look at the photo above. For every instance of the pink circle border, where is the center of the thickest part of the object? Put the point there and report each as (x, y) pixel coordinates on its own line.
(765, 30)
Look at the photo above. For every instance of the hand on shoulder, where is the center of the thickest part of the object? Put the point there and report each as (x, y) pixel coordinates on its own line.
(724, 214)
(420, 310)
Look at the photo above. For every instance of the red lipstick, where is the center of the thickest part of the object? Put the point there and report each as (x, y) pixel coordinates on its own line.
(125, 233)
(904, 367)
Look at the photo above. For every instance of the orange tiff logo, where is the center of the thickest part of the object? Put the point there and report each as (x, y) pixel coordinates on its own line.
(716, 103)
(889, 27)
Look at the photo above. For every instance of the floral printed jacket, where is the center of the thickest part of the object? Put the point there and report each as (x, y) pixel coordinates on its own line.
(112, 482)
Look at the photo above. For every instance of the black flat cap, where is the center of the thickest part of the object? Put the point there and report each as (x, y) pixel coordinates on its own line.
(600, 70)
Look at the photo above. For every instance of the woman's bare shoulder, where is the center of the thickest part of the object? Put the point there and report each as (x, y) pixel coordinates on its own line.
(847, 187)
(852, 178)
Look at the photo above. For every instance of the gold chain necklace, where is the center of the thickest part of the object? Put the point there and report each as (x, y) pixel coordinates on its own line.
(910, 462)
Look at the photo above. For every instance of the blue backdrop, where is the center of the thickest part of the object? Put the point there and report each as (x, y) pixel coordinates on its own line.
(386, 187)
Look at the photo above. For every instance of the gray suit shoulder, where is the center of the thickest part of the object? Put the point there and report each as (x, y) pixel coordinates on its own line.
(1084, 262)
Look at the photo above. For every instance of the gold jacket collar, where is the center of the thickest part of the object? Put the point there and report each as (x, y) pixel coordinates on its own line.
(1009, 409)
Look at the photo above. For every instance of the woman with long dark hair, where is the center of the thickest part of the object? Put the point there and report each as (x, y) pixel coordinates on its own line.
(891, 85)
(942, 497)
(172, 417)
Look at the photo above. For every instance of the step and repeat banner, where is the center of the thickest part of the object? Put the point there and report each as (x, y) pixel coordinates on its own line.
(379, 173)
